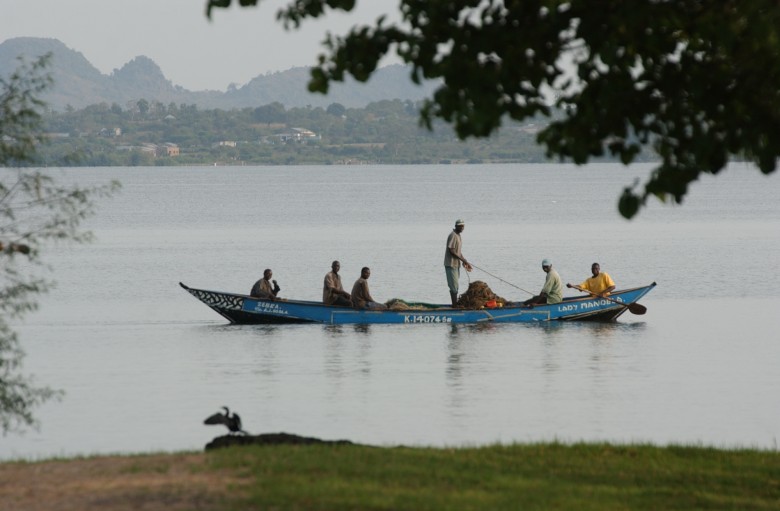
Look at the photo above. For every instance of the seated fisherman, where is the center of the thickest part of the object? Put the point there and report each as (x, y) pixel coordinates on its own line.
(361, 298)
(265, 287)
(552, 291)
(600, 284)
(332, 291)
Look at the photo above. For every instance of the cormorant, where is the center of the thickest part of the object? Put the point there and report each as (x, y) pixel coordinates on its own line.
(231, 421)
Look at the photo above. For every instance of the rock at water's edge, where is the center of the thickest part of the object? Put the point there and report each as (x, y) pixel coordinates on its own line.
(269, 439)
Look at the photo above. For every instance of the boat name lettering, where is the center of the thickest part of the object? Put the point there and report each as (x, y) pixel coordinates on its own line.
(427, 318)
(597, 303)
(269, 308)
(586, 305)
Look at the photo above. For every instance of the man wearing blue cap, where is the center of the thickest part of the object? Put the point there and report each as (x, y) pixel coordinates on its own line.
(552, 292)
(452, 260)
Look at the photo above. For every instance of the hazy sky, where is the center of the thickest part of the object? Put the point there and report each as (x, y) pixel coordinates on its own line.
(234, 47)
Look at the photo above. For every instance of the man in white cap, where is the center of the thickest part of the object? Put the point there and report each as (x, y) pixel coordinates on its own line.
(552, 291)
(452, 260)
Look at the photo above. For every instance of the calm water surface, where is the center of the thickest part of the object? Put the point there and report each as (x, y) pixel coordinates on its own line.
(143, 363)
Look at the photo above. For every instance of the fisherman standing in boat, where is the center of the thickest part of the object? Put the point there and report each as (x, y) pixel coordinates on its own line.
(552, 292)
(332, 291)
(600, 284)
(361, 297)
(452, 260)
(265, 287)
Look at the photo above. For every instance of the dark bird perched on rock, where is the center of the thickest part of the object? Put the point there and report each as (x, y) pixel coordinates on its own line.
(231, 421)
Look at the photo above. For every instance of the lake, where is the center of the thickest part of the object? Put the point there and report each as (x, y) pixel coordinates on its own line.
(142, 363)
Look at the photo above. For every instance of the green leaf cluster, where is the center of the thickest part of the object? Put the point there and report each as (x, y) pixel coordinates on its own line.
(695, 81)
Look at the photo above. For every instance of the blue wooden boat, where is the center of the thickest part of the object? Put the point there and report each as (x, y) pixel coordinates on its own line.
(243, 309)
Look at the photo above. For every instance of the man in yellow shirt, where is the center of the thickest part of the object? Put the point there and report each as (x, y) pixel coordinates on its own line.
(600, 283)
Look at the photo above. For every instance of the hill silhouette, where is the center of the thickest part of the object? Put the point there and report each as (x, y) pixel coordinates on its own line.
(77, 83)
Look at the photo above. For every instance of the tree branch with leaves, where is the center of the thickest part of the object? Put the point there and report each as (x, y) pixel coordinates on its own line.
(34, 209)
(693, 81)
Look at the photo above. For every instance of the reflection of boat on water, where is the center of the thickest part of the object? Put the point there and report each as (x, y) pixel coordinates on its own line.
(243, 309)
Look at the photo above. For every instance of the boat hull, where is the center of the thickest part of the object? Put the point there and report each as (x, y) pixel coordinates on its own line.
(243, 309)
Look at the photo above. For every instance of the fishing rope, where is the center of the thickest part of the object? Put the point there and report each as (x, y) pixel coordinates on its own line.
(502, 280)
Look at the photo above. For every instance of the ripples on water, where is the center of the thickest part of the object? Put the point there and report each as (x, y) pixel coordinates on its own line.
(143, 363)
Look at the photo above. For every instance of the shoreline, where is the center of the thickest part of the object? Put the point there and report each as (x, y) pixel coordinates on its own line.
(335, 475)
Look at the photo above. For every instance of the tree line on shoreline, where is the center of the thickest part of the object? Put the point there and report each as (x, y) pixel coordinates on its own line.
(141, 133)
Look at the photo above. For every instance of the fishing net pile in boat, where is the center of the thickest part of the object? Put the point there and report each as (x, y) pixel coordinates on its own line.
(397, 304)
(477, 295)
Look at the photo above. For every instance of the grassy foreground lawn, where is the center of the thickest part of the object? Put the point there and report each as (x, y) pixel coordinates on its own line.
(322, 477)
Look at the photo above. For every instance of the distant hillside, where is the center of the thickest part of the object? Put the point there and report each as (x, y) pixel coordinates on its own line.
(78, 83)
